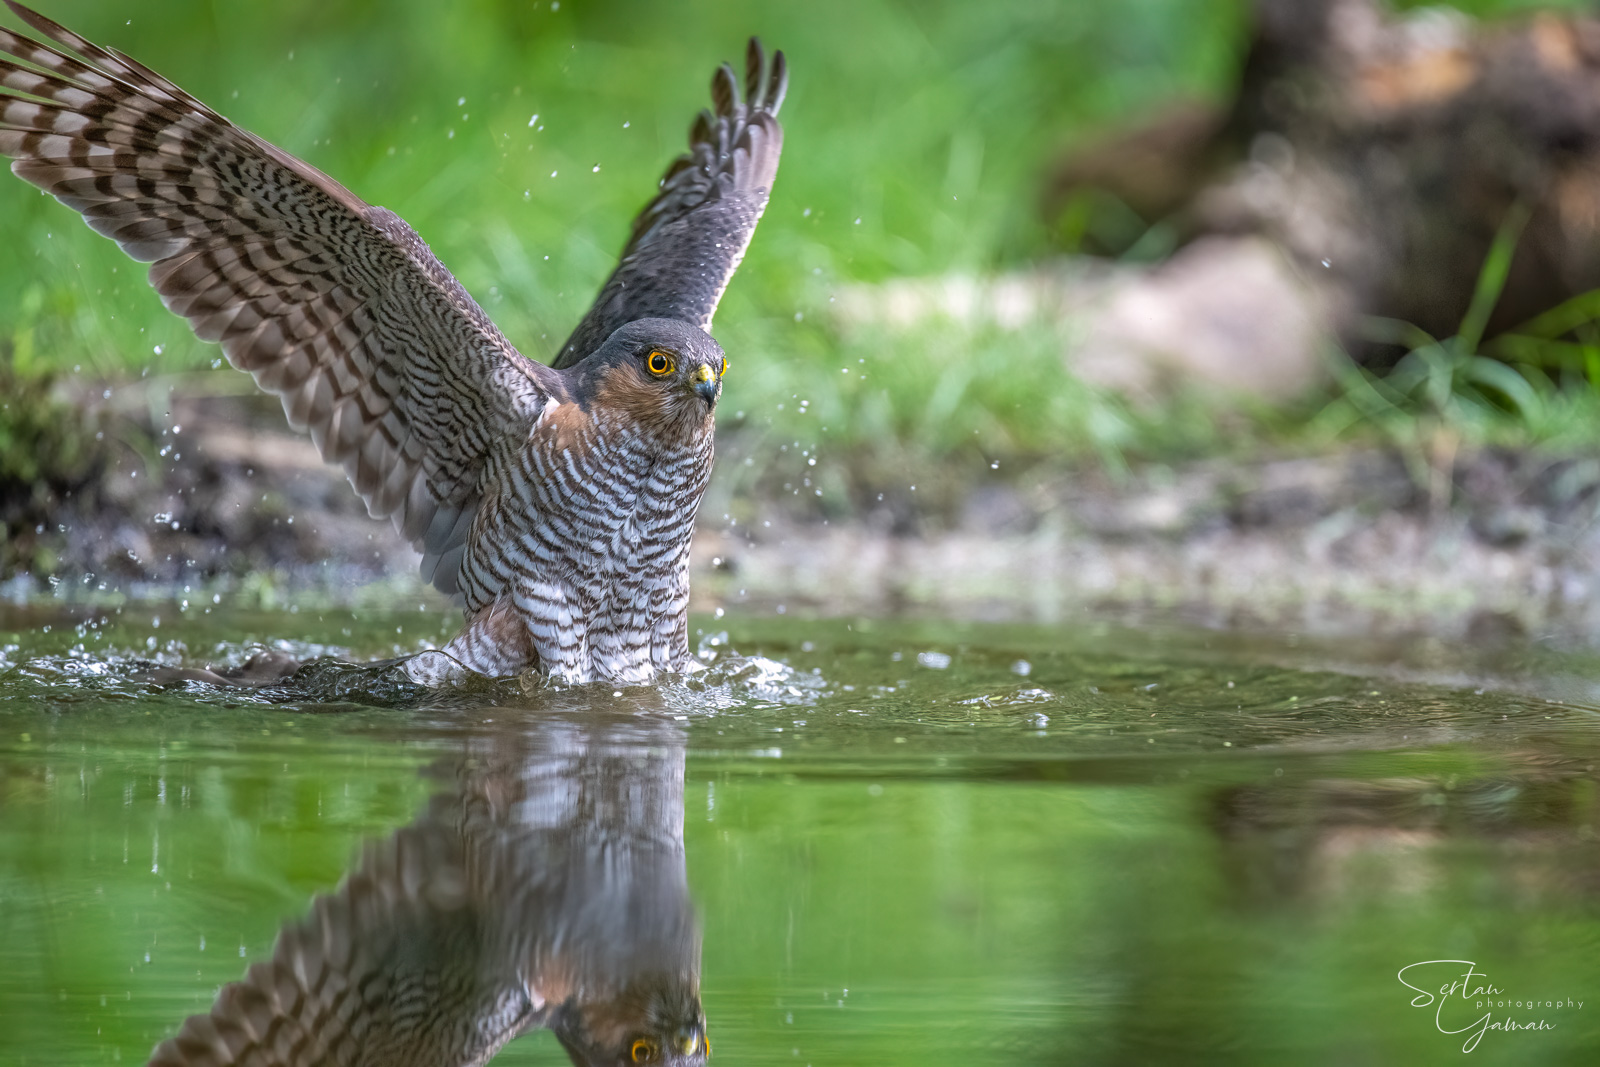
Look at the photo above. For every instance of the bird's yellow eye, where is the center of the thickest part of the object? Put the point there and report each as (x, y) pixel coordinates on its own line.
(644, 1050)
(659, 363)
(724, 369)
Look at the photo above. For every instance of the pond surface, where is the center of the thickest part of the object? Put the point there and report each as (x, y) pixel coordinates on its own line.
(848, 841)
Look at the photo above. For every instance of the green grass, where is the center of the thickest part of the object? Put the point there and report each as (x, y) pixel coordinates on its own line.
(915, 137)
(1530, 386)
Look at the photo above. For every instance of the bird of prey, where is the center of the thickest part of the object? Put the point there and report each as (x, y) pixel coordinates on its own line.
(545, 889)
(557, 502)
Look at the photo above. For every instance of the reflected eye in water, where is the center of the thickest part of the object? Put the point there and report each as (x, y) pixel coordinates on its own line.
(691, 1041)
(645, 1051)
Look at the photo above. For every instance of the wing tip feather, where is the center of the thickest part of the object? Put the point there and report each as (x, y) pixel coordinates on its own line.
(724, 91)
(777, 84)
(766, 83)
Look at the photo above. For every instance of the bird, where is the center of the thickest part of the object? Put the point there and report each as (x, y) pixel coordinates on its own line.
(546, 887)
(556, 503)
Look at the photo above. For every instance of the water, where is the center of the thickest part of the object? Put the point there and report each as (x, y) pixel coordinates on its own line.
(851, 842)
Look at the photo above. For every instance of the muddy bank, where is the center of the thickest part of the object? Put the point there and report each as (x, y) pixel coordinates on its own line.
(1343, 543)
(191, 487)
(172, 483)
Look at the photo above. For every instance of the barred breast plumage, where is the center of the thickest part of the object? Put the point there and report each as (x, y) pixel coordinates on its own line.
(557, 501)
(591, 532)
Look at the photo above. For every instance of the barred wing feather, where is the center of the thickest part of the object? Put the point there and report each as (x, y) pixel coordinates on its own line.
(393, 968)
(688, 241)
(336, 307)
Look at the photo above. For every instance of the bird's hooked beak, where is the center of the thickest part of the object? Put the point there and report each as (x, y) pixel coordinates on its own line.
(707, 384)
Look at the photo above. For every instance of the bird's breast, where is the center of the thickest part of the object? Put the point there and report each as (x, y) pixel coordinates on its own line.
(607, 502)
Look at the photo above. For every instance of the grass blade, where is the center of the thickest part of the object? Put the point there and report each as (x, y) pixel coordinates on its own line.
(1492, 278)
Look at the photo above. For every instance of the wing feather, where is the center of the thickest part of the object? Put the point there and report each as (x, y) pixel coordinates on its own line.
(337, 307)
(688, 241)
(393, 967)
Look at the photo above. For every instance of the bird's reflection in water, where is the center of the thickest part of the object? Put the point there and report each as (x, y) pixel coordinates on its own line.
(545, 888)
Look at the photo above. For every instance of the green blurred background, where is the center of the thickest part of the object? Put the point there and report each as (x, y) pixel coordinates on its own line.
(926, 122)
(915, 134)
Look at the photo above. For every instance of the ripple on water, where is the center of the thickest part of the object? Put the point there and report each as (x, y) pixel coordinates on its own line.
(1039, 692)
(877, 823)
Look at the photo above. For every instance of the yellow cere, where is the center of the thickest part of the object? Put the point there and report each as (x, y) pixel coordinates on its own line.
(704, 373)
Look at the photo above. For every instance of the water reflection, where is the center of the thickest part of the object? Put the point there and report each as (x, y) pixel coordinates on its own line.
(1336, 839)
(546, 887)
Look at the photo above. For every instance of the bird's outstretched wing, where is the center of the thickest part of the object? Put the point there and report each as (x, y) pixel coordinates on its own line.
(688, 241)
(396, 967)
(337, 307)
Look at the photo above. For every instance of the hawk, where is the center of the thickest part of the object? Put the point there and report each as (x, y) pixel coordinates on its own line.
(556, 502)
(546, 890)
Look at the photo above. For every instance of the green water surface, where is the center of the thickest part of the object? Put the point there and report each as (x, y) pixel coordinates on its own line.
(904, 842)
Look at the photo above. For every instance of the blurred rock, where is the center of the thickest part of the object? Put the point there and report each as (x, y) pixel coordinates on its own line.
(1226, 313)
(1230, 315)
(1051, 293)
(1381, 153)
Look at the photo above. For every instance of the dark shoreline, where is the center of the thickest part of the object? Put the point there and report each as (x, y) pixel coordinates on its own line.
(201, 489)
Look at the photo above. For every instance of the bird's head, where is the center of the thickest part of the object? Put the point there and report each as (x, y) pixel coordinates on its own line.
(654, 1020)
(663, 374)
